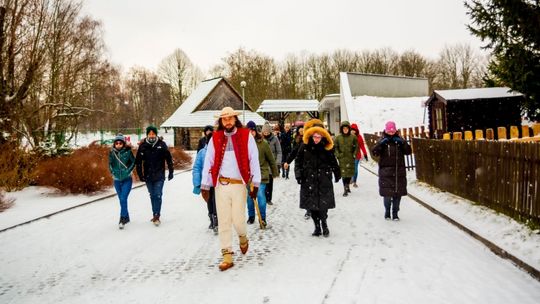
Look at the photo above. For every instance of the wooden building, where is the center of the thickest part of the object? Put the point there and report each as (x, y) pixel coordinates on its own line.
(200, 109)
(471, 109)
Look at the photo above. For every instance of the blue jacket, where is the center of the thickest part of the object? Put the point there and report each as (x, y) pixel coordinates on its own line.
(197, 170)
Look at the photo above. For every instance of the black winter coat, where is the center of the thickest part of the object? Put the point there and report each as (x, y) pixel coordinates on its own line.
(150, 160)
(314, 166)
(392, 174)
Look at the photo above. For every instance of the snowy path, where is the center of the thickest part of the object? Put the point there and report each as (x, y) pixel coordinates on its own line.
(81, 257)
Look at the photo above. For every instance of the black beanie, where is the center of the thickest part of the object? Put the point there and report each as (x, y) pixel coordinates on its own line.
(208, 128)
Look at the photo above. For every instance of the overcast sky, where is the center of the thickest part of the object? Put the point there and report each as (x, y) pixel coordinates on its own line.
(143, 32)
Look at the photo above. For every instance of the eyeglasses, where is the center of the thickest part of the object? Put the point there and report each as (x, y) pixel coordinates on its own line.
(317, 136)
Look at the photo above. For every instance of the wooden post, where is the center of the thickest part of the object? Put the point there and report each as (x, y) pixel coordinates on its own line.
(536, 129)
(524, 131)
(490, 134)
(446, 136)
(478, 134)
(410, 132)
(456, 136)
(501, 133)
(468, 135)
(514, 132)
(422, 132)
(404, 133)
(416, 132)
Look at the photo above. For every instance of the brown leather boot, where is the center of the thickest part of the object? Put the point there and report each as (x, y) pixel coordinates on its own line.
(244, 244)
(227, 260)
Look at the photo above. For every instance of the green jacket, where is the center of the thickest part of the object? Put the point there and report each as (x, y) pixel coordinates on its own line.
(346, 147)
(266, 161)
(121, 163)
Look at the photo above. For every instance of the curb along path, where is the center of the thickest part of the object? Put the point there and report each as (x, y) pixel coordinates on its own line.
(535, 273)
(139, 185)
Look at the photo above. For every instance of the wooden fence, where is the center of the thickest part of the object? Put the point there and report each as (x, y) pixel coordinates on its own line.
(514, 133)
(370, 141)
(502, 175)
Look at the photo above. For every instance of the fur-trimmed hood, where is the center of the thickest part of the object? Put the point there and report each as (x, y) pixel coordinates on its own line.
(313, 122)
(321, 130)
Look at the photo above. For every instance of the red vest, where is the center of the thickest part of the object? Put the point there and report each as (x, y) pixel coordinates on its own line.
(240, 146)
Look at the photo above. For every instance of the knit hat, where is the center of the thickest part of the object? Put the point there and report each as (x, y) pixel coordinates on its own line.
(267, 128)
(208, 128)
(390, 127)
(120, 137)
(251, 125)
(151, 128)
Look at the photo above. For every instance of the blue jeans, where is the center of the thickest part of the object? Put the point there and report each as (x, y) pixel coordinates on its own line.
(391, 201)
(261, 200)
(356, 162)
(123, 188)
(156, 191)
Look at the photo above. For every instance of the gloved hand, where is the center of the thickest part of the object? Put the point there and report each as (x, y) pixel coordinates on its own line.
(384, 141)
(365, 157)
(398, 140)
(253, 192)
(205, 194)
(171, 176)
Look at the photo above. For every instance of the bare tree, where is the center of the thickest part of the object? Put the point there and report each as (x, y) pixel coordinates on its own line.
(181, 74)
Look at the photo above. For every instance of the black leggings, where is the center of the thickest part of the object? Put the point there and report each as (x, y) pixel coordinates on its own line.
(346, 181)
(212, 202)
(319, 215)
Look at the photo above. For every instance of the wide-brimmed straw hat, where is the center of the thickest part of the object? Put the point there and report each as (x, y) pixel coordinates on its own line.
(227, 112)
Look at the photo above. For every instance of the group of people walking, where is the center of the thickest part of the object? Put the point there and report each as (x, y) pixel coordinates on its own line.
(236, 164)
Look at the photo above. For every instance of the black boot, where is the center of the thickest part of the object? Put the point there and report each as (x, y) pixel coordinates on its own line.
(211, 222)
(317, 223)
(345, 192)
(325, 230)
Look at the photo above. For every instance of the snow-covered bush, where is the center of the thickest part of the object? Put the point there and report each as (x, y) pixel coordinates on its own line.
(86, 170)
(16, 166)
(181, 160)
(4, 202)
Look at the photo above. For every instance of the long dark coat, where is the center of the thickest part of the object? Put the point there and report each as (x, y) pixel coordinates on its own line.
(392, 174)
(314, 166)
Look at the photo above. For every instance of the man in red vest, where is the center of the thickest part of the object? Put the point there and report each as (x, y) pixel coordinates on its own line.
(231, 162)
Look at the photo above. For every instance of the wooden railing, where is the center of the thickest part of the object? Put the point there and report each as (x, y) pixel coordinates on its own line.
(518, 134)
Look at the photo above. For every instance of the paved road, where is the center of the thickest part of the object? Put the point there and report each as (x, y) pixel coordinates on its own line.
(81, 257)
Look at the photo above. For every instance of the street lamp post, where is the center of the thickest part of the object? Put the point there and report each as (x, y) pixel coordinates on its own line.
(243, 85)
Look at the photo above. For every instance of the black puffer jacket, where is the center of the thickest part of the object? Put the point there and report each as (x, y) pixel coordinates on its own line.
(392, 174)
(314, 166)
(150, 160)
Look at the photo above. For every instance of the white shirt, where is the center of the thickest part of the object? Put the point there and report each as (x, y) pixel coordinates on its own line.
(229, 165)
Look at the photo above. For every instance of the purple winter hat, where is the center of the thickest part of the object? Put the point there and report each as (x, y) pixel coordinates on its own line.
(390, 127)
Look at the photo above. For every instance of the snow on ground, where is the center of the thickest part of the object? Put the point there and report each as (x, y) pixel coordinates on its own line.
(371, 113)
(81, 257)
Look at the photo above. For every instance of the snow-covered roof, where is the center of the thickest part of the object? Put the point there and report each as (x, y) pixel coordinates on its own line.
(204, 118)
(371, 113)
(479, 93)
(288, 105)
(185, 117)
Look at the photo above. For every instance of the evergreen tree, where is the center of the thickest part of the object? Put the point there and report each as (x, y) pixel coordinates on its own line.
(511, 29)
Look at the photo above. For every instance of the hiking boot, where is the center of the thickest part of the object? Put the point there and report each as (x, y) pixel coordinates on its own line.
(156, 220)
(227, 260)
(251, 220)
(269, 203)
(395, 217)
(244, 244)
(355, 185)
(317, 231)
(263, 224)
(325, 230)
